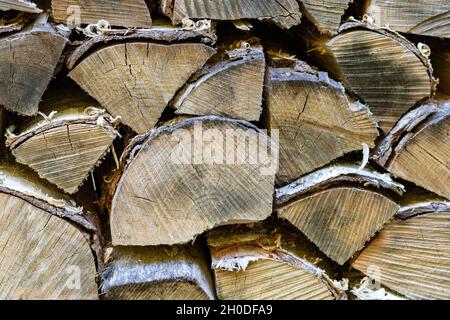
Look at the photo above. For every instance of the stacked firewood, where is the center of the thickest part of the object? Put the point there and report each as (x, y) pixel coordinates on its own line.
(224, 149)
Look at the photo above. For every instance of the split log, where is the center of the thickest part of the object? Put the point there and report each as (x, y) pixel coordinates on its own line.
(301, 104)
(285, 13)
(339, 208)
(230, 87)
(129, 80)
(157, 273)
(326, 15)
(130, 13)
(19, 5)
(269, 263)
(64, 148)
(45, 241)
(178, 181)
(417, 148)
(388, 72)
(28, 61)
(412, 256)
(417, 17)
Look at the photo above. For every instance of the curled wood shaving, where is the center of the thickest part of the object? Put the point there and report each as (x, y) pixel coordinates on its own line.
(200, 25)
(424, 49)
(365, 158)
(102, 27)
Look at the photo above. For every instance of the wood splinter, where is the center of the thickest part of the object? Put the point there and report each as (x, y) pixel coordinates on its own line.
(180, 180)
(156, 273)
(63, 149)
(270, 263)
(339, 208)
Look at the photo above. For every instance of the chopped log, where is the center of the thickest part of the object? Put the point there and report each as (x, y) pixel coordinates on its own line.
(339, 208)
(28, 61)
(417, 148)
(416, 17)
(388, 72)
(412, 256)
(63, 149)
(19, 5)
(178, 181)
(326, 15)
(285, 13)
(43, 256)
(231, 87)
(130, 13)
(316, 120)
(129, 80)
(269, 263)
(157, 273)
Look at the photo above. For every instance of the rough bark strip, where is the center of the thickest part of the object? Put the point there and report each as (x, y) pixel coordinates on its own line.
(304, 104)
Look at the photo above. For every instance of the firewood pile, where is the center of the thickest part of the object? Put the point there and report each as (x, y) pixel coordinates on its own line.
(225, 149)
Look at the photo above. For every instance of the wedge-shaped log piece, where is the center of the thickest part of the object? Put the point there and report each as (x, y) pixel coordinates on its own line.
(130, 81)
(43, 256)
(232, 87)
(387, 71)
(284, 13)
(417, 148)
(316, 120)
(65, 148)
(180, 180)
(412, 256)
(28, 59)
(270, 263)
(19, 5)
(157, 273)
(130, 13)
(326, 15)
(417, 17)
(339, 208)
